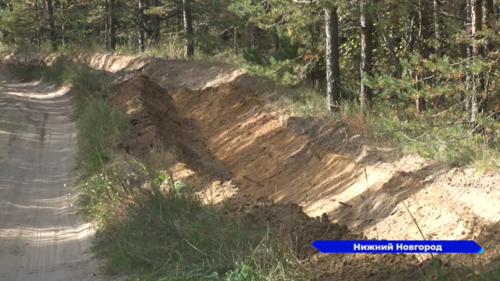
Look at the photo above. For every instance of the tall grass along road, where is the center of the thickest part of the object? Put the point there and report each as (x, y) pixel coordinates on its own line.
(40, 237)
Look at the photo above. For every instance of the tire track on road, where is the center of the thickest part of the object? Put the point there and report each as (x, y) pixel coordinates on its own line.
(40, 237)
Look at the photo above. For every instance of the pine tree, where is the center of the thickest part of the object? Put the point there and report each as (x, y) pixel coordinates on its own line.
(141, 26)
(52, 26)
(366, 54)
(112, 25)
(188, 28)
(477, 50)
(155, 22)
(333, 90)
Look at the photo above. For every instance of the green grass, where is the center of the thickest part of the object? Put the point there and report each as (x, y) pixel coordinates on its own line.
(172, 236)
(101, 128)
(305, 102)
(443, 138)
(173, 48)
(37, 70)
(434, 136)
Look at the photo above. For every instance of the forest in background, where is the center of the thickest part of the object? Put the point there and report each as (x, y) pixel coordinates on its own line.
(419, 74)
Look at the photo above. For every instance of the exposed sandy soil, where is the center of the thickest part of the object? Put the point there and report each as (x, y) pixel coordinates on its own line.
(317, 165)
(232, 143)
(155, 122)
(40, 236)
(156, 119)
(235, 133)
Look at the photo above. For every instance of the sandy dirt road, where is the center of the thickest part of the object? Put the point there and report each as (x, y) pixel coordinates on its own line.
(40, 236)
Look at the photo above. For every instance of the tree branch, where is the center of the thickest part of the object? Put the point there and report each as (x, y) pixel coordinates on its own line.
(304, 2)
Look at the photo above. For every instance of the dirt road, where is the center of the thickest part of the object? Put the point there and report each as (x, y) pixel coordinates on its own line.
(40, 236)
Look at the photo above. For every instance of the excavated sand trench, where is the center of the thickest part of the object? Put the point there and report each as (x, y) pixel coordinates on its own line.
(228, 134)
(269, 157)
(229, 129)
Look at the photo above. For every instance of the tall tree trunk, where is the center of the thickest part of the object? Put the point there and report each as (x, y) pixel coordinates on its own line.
(106, 25)
(180, 20)
(332, 59)
(470, 55)
(437, 26)
(52, 26)
(188, 28)
(464, 51)
(424, 48)
(410, 28)
(366, 55)
(489, 21)
(477, 50)
(235, 40)
(63, 37)
(277, 41)
(142, 45)
(252, 35)
(477, 26)
(464, 13)
(155, 23)
(314, 30)
(38, 33)
(424, 30)
(112, 25)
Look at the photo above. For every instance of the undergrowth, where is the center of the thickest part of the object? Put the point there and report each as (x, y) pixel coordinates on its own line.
(444, 136)
(173, 236)
(173, 48)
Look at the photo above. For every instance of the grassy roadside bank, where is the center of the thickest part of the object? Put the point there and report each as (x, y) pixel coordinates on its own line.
(144, 230)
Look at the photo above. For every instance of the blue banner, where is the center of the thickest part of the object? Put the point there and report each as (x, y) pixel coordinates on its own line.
(397, 246)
